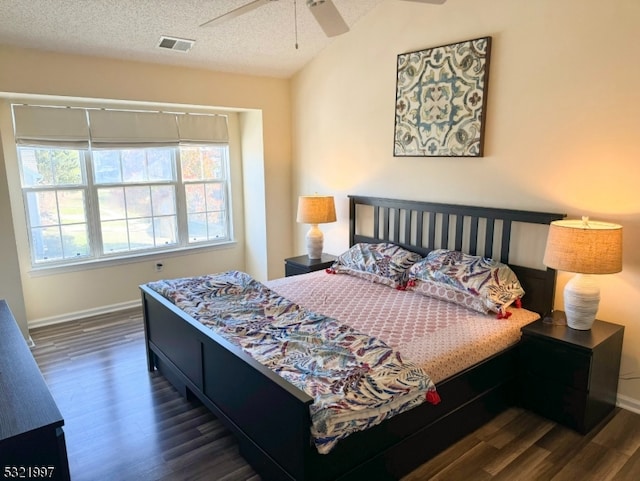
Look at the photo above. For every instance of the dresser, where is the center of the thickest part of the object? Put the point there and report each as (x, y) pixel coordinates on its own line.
(32, 444)
(570, 376)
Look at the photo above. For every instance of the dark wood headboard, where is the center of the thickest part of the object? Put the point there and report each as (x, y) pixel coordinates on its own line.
(424, 226)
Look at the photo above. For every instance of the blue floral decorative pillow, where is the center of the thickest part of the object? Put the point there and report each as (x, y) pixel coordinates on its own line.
(383, 263)
(476, 282)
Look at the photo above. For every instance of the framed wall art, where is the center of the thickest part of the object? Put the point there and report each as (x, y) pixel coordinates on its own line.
(441, 94)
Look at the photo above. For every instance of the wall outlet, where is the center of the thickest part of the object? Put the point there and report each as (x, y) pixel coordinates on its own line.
(159, 266)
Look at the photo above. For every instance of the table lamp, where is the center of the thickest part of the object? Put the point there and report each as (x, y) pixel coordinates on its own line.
(585, 247)
(314, 210)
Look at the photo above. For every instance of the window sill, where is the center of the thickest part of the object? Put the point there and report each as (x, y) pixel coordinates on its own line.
(41, 271)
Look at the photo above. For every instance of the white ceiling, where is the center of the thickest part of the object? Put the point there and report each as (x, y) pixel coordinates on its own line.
(261, 42)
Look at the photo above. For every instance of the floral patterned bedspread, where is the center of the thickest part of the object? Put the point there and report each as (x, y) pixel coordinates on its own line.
(356, 380)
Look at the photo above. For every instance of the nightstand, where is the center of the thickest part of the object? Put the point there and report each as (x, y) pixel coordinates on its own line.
(302, 264)
(570, 376)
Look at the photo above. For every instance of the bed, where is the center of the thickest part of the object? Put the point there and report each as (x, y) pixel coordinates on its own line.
(270, 417)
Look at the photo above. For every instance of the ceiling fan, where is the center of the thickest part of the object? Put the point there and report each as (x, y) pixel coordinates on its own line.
(324, 11)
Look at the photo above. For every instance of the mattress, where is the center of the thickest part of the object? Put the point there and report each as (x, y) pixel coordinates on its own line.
(441, 337)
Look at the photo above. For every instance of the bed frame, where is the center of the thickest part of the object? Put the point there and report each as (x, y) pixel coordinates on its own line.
(270, 417)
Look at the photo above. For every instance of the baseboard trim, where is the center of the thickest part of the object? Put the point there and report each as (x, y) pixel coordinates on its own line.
(74, 316)
(629, 403)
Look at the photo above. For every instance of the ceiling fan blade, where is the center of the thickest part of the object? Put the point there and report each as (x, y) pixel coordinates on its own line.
(435, 2)
(236, 12)
(328, 17)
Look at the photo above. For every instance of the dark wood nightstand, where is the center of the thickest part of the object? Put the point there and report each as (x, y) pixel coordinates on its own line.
(570, 376)
(302, 264)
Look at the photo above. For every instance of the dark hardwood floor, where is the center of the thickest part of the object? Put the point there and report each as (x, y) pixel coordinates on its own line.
(123, 423)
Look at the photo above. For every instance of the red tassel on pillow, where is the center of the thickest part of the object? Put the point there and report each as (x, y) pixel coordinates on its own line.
(503, 315)
(518, 303)
(329, 270)
(411, 283)
(433, 397)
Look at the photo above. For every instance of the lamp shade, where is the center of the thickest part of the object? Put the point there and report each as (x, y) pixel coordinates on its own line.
(584, 246)
(316, 209)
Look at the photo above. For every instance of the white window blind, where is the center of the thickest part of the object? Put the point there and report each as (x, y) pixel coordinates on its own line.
(113, 129)
(121, 129)
(201, 129)
(51, 126)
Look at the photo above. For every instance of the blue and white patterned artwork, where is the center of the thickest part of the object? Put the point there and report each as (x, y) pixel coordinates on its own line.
(440, 100)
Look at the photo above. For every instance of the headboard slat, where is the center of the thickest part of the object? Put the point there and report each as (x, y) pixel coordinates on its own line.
(459, 232)
(506, 236)
(432, 230)
(376, 221)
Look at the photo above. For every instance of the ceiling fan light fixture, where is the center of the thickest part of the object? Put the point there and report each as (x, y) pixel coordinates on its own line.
(314, 3)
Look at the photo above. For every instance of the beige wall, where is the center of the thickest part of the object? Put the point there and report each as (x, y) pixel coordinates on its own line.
(561, 135)
(59, 296)
(10, 284)
(563, 113)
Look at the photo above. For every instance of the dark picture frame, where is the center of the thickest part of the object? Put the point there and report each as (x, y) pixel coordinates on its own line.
(441, 96)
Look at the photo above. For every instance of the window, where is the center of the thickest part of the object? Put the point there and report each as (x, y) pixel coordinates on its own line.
(204, 174)
(55, 190)
(136, 192)
(122, 200)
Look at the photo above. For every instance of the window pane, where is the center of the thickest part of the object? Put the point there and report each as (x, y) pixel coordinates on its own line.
(138, 202)
(115, 236)
(216, 225)
(111, 203)
(71, 205)
(215, 197)
(43, 208)
(66, 167)
(160, 165)
(195, 198)
(75, 241)
(202, 162)
(106, 166)
(190, 162)
(47, 244)
(197, 225)
(58, 221)
(141, 233)
(36, 167)
(133, 165)
(133, 209)
(212, 158)
(166, 231)
(163, 200)
(49, 167)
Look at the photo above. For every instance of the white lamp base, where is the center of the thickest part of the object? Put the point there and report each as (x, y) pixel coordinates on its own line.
(581, 299)
(315, 241)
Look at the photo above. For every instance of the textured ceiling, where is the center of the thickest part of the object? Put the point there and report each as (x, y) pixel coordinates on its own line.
(261, 42)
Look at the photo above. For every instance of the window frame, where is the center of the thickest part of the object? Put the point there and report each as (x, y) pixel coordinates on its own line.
(96, 249)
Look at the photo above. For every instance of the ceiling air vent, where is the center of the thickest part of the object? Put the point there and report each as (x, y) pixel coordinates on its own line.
(174, 43)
